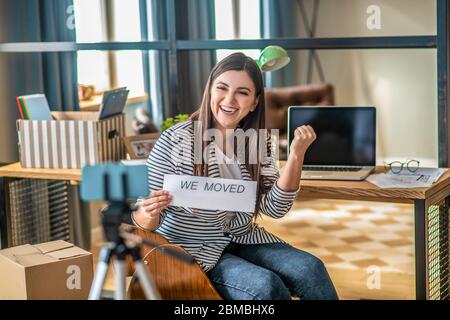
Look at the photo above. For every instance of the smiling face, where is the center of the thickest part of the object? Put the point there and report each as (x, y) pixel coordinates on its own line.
(233, 96)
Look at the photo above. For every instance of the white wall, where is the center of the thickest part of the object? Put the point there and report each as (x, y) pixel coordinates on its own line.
(401, 83)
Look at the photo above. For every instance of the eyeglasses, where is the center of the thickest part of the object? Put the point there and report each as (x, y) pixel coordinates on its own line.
(397, 166)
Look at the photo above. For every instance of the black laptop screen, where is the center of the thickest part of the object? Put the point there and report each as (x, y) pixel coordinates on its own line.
(345, 135)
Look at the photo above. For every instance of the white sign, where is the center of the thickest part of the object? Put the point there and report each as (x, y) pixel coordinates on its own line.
(211, 193)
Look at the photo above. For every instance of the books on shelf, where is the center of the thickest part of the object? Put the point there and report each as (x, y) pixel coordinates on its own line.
(34, 107)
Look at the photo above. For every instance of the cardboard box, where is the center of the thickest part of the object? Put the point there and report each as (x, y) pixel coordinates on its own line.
(53, 270)
(71, 140)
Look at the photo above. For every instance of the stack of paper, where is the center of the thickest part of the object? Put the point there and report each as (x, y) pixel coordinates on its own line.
(422, 178)
(34, 107)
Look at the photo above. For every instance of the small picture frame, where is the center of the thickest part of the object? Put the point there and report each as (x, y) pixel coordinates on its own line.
(139, 147)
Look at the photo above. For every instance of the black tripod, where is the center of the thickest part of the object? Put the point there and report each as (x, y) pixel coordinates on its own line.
(120, 245)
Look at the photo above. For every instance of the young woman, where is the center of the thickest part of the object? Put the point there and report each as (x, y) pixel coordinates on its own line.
(243, 260)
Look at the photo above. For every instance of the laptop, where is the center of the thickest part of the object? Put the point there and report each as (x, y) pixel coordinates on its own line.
(113, 102)
(345, 146)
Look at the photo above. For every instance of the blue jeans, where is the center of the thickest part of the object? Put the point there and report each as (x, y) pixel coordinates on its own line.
(273, 271)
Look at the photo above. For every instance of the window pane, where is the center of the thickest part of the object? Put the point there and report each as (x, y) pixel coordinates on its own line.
(156, 20)
(111, 69)
(93, 69)
(126, 20)
(130, 71)
(224, 19)
(251, 53)
(89, 21)
(249, 23)
(237, 22)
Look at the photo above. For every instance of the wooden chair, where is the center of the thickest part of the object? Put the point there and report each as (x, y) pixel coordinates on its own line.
(174, 279)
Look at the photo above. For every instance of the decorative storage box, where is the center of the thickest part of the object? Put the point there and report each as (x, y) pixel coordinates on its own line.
(71, 140)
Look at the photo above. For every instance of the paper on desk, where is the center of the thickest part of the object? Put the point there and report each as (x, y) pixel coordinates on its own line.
(134, 162)
(422, 178)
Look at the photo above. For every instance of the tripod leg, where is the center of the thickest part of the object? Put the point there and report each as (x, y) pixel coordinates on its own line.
(100, 274)
(120, 270)
(148, 285)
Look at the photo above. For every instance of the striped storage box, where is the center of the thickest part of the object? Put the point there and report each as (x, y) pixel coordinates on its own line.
(71, 140)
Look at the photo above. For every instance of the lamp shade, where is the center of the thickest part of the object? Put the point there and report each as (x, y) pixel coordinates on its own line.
(273, 58)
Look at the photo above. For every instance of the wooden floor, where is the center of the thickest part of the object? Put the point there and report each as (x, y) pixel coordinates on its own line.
(367, 247)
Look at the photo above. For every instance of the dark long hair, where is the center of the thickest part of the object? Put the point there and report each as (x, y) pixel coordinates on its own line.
(253, 120)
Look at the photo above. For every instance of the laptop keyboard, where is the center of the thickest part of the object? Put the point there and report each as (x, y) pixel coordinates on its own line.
(333, 169)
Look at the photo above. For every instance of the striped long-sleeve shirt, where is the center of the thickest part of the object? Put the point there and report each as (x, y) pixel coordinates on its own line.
(202, 232)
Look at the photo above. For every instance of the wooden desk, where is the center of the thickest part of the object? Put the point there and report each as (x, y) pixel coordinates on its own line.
(95, 102)
(15, 170)
(431, 223)
(76, 223)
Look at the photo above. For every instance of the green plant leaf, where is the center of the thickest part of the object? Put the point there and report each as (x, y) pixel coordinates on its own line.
(169, 122)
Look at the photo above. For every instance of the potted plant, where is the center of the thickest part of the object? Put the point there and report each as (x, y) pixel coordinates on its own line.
(169, 122)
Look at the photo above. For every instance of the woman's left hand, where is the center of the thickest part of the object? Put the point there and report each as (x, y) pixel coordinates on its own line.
(304, 136)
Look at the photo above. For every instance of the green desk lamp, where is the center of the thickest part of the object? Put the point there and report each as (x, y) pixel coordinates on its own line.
(272, 58)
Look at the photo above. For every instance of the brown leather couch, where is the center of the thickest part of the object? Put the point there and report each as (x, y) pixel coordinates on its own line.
(278, 100)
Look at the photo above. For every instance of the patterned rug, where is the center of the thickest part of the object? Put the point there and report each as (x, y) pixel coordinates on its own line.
(357, 241)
